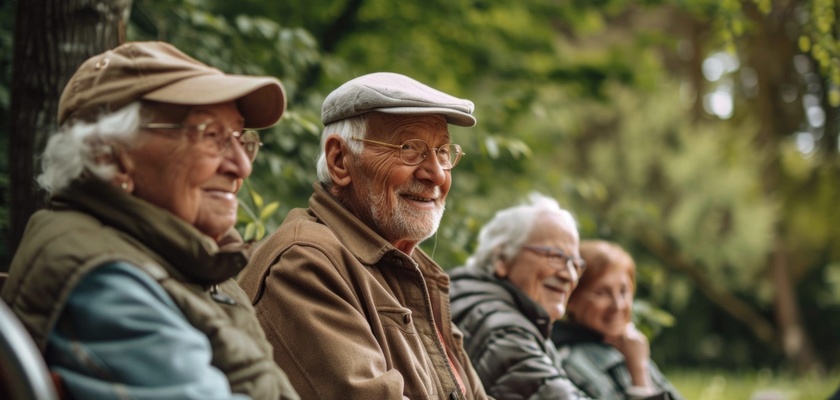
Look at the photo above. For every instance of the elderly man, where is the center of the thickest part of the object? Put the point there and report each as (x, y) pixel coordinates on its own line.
(353, 308)
(121, 281)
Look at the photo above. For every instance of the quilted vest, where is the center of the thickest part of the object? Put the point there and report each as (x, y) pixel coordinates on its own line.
(91, 224)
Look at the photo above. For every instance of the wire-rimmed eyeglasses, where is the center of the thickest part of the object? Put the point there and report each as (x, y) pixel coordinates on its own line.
(217, 137)
(558, 258)
(414, 151)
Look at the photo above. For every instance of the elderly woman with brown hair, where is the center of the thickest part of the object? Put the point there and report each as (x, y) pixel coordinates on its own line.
(121, 281)
(604, 354)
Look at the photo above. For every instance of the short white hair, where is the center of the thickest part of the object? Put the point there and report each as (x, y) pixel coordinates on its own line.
(509, 229)
(346, 128)
(77, 147)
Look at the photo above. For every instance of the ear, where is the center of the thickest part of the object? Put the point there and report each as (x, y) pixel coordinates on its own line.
(124, 163)
(500, 265)
(338, 161)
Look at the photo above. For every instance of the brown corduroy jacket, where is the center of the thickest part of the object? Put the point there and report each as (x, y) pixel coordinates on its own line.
(352, 317)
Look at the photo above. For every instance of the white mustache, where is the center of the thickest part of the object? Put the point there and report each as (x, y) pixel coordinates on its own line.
(419, 189)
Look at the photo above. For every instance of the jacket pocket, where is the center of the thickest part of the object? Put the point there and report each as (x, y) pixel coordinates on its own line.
(397, 317)
(407, 353)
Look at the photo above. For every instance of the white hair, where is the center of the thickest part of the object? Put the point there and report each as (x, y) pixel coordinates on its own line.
(509, 229)
(346, 128)
(79, 146)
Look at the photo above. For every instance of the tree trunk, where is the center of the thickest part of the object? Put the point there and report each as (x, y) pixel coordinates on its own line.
(52, 38)
(770, 51)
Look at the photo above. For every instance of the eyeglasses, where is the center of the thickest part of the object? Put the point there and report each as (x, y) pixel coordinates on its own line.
(216, 137)
(414, 151)
(557, 258)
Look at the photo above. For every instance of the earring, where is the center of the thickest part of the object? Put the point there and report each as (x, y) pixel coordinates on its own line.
(124, 186)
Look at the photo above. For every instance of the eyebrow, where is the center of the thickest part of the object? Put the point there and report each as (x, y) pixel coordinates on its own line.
(211, 114)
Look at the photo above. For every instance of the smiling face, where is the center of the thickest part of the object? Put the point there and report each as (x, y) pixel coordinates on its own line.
(175, 170)
(547, 284)
(606, 305)
(603, 301)
(403, 203)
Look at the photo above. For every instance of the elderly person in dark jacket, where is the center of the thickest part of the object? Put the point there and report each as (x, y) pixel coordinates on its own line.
(605, 355)
(515, 285)
(121, 281)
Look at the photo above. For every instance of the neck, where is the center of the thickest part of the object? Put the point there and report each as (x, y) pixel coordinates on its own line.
(405, 246)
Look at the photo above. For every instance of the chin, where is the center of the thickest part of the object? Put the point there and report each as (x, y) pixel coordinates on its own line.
(216, 229)
(557, 313)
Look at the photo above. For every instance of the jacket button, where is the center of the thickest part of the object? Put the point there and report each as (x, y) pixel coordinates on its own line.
(453, 396)
(407, 319)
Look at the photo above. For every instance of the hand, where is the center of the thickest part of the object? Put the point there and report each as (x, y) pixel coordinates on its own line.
(635, 347)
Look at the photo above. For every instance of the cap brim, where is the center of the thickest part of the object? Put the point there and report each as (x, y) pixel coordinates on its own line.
(453, 117)
(261, 100)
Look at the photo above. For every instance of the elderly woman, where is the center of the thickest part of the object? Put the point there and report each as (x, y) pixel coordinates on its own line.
(121, 281)
(606, 356)
(505, 299)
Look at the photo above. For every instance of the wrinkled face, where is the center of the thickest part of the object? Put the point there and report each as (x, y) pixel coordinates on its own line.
(217, 211)
(402, 203)
(605, 305)
(179, 171)
(545, 281)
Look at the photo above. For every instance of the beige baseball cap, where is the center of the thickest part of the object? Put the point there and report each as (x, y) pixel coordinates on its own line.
(392, 93)
(158, 71)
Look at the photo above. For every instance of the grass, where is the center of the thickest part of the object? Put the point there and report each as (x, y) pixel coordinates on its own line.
(754, 385)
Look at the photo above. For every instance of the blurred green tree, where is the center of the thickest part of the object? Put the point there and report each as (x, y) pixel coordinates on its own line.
(700, 134)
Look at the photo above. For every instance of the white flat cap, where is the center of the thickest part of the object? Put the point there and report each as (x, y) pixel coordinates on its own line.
(392, 93)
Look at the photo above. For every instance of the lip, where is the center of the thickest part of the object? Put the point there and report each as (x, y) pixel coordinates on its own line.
(420, 198)
(220, 193)
(555, 289)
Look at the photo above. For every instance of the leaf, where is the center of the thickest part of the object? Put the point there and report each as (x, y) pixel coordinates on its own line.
(269, 210)
(260, 231)
(245, 213)
(258, 200)
(250, 230)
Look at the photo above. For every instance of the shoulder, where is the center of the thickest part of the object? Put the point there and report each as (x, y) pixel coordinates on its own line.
(112, 284)
(592, 356)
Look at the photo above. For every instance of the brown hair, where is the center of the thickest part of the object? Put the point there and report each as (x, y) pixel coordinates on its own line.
(601, 256)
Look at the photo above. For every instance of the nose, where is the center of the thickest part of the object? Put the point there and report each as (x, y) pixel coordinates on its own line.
(619, 301)
(236, 161)
(430, 170)
(567, 273)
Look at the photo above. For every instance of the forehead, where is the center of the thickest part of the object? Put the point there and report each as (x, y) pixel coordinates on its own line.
(551, 226)
(401, 126)
(179, 112)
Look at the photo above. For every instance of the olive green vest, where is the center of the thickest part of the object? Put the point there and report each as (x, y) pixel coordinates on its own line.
(91, 224)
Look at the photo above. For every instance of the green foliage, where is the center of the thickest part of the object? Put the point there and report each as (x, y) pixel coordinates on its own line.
(651, 319)
(254, 213)
(592, 102)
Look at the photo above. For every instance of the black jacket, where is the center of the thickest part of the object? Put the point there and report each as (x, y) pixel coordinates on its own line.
(506, 335)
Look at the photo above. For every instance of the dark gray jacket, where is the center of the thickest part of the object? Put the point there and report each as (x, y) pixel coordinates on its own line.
(598, 368)
(506, 337)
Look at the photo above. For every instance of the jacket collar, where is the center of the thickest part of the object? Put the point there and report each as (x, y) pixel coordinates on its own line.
(178, 244)
(529, 308)
(602, 355)
(359, 238)
(368, 246)
(568, 333)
